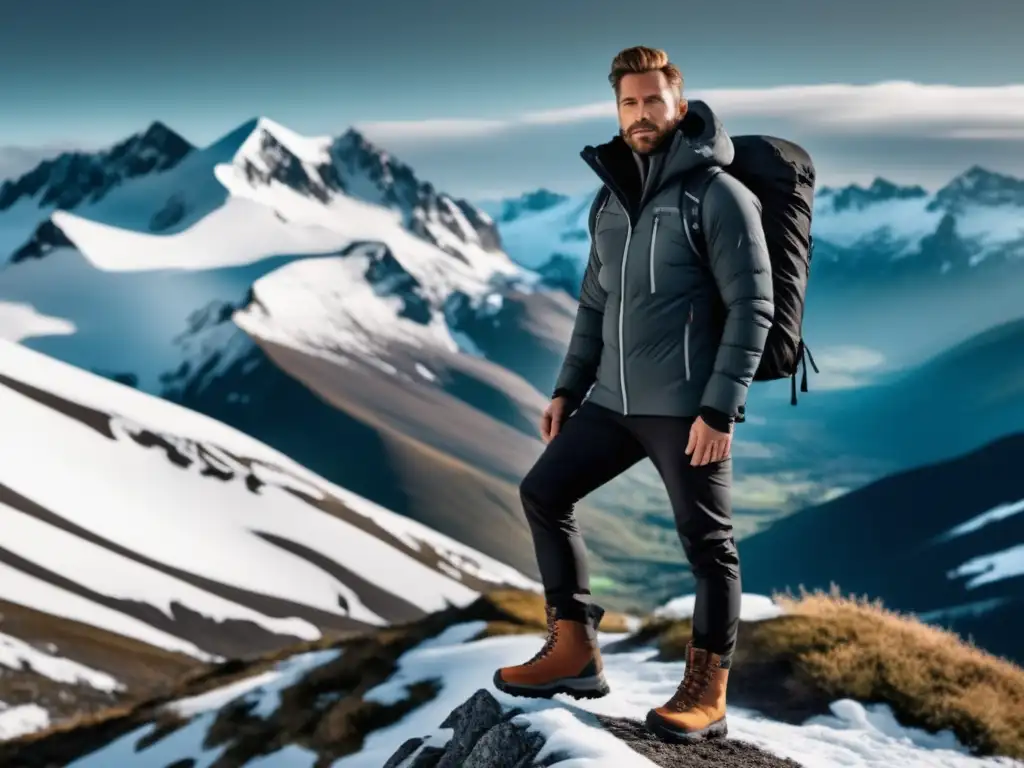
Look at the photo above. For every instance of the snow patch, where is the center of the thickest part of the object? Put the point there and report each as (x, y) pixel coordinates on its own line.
(26, 589)
(994, 515)
(17, 654)
(19, 321)
(752, 608)
(263, 690)
(21, 720)
(997, 566)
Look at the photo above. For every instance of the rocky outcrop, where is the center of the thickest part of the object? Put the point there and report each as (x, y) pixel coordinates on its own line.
(486, 736)
(483, 736)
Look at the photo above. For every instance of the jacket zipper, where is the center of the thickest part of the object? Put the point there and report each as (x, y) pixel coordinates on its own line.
(654, 239)
(686, 342)
(622, 315)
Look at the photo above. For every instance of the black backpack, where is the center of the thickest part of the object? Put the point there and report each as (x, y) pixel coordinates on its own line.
(781, 175)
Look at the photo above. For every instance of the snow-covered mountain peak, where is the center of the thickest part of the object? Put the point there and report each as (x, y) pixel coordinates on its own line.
(370, 173)
(268, 152)
(855, 197)
(72, 178)
(978, 186)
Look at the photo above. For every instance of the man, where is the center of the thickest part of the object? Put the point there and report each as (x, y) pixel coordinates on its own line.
(664, 347)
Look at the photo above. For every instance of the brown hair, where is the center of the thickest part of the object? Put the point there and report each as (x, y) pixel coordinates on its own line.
(640, 59)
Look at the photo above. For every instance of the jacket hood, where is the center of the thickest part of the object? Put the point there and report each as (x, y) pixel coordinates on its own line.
(700, 140)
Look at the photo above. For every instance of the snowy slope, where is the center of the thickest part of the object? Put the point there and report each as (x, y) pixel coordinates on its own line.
(335, 253)
(852, 734)
(129, 513)
(253, 201)
(85, 182)
(532, 236)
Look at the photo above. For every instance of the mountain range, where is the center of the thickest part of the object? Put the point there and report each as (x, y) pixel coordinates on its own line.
(890, 262)
(315, 294)
(281, 390)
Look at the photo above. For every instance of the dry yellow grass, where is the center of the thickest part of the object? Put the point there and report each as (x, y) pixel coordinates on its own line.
(854, 648)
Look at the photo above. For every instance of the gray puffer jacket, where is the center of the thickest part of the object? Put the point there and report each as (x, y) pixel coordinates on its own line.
(659, 329)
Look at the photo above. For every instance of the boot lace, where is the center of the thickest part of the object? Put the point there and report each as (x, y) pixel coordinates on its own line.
(549, 643)
(696, 681)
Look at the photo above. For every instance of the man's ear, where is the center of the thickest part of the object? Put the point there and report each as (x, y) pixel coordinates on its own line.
(683, 107)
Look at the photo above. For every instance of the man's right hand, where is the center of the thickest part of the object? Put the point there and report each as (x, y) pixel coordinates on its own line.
(554, 417)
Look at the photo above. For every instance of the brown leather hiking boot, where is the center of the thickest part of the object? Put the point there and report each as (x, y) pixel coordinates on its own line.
(570, 662)
(697, 709)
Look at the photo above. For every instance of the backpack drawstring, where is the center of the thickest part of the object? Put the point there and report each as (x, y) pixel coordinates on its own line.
(805, 355)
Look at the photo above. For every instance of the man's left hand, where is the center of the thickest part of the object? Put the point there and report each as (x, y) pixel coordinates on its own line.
(707, 445)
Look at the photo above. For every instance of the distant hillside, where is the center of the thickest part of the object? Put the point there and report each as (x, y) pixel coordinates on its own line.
(957, 401)
(943, 541)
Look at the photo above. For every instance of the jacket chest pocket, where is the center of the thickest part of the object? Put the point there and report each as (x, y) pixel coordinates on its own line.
(611, 238)
(670, 260)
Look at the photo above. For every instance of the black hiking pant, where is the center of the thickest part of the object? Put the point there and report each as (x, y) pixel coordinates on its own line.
(594, 446)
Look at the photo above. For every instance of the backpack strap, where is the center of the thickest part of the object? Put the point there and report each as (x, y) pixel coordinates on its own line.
(597, 207)
(691, 204)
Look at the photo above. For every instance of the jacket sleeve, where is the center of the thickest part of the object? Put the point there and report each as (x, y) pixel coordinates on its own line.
(579, 371)
(738, 258)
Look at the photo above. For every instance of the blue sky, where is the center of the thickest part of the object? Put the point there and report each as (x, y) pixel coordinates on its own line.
(88, 74)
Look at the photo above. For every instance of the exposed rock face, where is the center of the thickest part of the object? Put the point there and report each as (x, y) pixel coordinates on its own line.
(486, 736)
(483, 736)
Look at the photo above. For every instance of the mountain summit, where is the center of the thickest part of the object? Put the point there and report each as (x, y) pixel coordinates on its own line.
(73, 178)
(980, 187)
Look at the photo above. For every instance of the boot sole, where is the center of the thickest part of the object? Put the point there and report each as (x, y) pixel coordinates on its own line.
(667, 732)
(595, 687)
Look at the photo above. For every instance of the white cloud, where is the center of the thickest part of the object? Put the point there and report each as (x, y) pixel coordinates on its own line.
(846, 367)
(881, 109)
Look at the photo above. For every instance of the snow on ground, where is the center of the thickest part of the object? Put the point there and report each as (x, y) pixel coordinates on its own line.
(25, 589)
(534, 237)
(994, 515)
(136, 498)
(1005, 564)
(325, 307)
(238, 232)
(21, 321)
(17, 654)
(752, 608)
(852, 735)
(19, 720)
(263, 691)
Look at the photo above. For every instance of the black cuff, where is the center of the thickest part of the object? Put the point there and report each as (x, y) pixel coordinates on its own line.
(573, 400)
(717, 420)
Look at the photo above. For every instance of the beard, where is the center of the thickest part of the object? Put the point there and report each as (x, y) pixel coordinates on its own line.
(644, 143)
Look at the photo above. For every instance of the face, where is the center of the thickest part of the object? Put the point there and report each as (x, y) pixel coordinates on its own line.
(648, 110)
